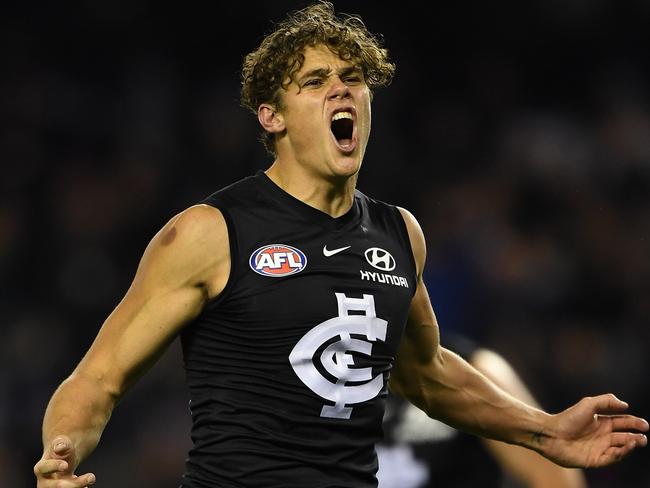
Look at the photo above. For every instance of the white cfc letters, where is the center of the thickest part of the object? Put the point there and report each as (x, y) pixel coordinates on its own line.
(336, 358)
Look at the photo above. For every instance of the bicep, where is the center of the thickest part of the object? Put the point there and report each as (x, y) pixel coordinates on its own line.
(419, 348)
(172, 284)
(418, 351)
(137, 333)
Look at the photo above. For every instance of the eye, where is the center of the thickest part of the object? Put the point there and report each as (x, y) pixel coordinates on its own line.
(313, 82)
(352, 79)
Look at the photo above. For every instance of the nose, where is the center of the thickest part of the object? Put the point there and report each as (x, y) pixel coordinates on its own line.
(338, 89)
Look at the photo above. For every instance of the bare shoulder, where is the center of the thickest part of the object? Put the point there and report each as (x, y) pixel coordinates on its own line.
(416, 236)
(196, 222)
(193, 247)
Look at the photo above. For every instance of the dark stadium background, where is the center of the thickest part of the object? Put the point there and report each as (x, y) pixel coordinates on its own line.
(518, 134)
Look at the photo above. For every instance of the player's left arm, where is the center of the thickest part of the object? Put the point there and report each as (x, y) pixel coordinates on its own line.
(593, 432)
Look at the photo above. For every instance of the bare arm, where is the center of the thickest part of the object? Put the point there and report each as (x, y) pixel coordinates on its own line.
(447, 388)
(186, 264)
(526, 466)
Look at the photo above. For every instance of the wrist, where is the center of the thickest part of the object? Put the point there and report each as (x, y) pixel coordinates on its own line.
(543, 432)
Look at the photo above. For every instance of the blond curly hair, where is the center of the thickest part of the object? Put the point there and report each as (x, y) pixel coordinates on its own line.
(272, 66)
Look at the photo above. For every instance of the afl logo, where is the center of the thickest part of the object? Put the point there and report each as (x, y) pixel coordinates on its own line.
(277, 260)
(380, 259)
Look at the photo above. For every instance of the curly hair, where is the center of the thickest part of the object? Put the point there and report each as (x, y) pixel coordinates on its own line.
(272, 66)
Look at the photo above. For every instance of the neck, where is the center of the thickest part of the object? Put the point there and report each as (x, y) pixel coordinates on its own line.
(332, 196)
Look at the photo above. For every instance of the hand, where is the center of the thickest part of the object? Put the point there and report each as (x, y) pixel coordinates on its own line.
(594, 432)
(56, 468)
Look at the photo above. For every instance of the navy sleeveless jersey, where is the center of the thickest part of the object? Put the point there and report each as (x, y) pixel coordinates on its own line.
(287, 368)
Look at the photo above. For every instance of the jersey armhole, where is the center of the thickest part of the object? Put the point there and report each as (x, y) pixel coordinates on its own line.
(407, 243)
(234, 258)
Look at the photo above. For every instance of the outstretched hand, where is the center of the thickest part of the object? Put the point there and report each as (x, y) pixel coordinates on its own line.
(56, 467)
(595, 432)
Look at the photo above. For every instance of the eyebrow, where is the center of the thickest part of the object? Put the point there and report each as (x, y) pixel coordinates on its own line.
(325, 72)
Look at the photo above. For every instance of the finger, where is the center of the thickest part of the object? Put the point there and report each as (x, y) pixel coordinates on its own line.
(49, 466)
(76, 482)
(62, 446)
(619, 439)
(628, 422)
(608, 403)
(85, 480)
(615, 454)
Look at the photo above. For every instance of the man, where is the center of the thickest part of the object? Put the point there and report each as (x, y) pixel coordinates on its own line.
(295, 296)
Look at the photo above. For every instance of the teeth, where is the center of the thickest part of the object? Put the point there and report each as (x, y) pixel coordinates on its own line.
(341, 115)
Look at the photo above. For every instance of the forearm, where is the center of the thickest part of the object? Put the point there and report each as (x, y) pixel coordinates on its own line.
(461, 396)
(79, 409)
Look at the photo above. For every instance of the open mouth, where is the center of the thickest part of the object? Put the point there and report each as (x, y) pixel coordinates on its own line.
(342, 128)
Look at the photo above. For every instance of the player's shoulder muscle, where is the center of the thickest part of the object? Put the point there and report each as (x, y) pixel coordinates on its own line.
(191, 248)
(194, 225)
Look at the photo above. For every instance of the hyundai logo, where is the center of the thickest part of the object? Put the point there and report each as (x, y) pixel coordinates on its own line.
(380, 259)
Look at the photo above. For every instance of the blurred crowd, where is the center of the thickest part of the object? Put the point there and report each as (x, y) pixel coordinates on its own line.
(520, 139)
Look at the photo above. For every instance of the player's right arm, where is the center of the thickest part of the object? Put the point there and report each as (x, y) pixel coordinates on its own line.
(184, 266)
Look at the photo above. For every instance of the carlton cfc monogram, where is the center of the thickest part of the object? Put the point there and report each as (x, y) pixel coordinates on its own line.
(337, 359)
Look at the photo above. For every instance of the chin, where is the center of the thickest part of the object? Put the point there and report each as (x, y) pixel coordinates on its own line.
(346, 168)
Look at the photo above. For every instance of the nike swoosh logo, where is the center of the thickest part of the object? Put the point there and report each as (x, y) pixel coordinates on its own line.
(329, 253)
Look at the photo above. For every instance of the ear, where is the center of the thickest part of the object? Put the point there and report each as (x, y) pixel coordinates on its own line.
(271, 120)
